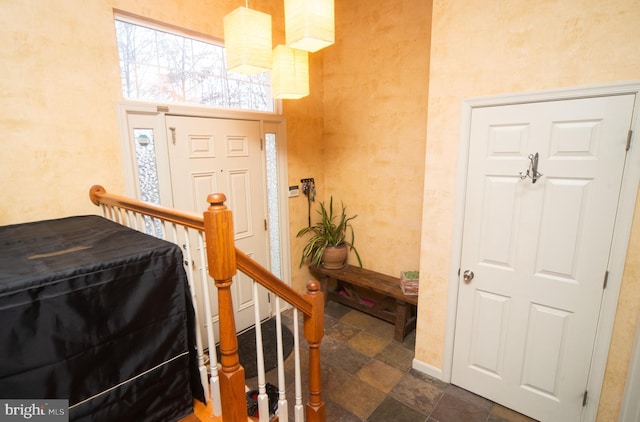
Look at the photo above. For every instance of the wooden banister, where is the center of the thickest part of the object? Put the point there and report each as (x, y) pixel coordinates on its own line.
(272, 283)
(221, 257)
(99, 196)
(224, 259)
(313, 332)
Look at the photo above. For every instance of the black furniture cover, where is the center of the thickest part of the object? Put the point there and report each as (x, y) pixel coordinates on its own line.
(99, 314)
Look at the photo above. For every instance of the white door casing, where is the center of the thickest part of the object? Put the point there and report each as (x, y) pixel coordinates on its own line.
(502, 254)
(224, 155)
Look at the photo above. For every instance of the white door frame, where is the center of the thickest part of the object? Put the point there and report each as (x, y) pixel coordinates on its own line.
(621, 233)
(268, 121)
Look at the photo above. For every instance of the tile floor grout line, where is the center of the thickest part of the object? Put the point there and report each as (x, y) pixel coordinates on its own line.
(436, 405)
(396, 355)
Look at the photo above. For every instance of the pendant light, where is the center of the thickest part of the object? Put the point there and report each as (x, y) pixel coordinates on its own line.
(290, 73)
(247, 39)
(309, 24)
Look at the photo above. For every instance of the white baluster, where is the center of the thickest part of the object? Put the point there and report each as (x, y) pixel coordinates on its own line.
(299, 407)
(263, 399)
(109, 211)
(283, 411)
(140, 223)
(135, 221)
(202, 367)
(216, 404)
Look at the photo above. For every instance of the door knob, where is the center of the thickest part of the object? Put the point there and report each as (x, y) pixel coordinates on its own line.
(467, 276)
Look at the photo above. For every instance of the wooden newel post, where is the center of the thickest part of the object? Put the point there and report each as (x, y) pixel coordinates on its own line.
(221, 257)
(313, 332)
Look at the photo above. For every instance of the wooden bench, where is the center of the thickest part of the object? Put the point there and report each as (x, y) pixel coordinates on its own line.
(371, 292)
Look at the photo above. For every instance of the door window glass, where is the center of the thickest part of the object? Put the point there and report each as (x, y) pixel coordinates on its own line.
(272, 199)
(148, 183)
(146, 165)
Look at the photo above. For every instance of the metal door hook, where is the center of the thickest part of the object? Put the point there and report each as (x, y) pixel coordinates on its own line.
(533, 169)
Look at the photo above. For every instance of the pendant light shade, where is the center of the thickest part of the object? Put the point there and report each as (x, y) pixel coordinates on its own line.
(309, 24)
(247, 39)
(290, 73)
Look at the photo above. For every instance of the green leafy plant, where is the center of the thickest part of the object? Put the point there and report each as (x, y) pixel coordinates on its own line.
(411, 275)
(331, 230)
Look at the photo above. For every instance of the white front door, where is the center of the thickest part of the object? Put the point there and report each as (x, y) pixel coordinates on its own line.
(208, 155)
(536, 254)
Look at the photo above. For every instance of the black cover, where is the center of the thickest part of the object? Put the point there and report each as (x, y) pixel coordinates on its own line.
(99, 314)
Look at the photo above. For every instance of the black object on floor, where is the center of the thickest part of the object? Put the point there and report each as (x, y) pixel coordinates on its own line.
(252, 401)
(247, 347)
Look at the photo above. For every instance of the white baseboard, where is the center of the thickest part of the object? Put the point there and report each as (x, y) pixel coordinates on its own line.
(427, 369)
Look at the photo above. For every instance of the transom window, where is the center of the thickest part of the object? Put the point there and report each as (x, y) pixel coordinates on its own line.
(161, 66)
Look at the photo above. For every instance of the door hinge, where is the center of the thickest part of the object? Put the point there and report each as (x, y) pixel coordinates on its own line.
(458, 272)
(629, 134)
(584, 398)
(606, 279)
(265, 225)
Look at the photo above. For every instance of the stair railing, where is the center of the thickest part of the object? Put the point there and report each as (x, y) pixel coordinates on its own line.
(216, 236)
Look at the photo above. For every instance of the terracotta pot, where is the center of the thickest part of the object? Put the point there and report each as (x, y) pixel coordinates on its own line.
(335, 257)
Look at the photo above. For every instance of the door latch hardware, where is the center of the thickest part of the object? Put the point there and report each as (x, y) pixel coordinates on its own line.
(467, 276)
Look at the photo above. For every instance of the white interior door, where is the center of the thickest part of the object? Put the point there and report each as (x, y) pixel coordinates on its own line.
(538, 252)
(209, 155)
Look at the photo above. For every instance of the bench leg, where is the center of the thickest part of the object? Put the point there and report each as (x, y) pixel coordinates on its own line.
(402, 313)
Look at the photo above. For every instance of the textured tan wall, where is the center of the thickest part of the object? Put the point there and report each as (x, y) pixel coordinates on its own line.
(375, 80)
(59, 82)
(483, 48)
(306, 155)
(364, 144)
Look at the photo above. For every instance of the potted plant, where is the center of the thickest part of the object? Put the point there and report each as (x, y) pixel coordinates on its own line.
(409, 282)
(329, 239)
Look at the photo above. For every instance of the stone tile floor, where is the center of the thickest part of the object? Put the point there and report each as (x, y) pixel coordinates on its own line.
(367, 376)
